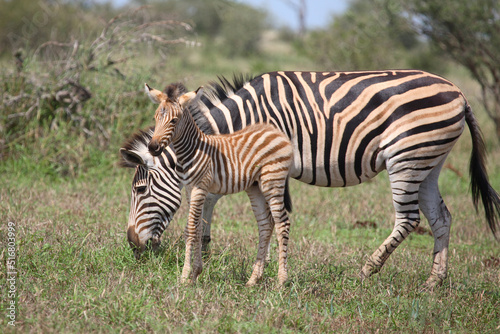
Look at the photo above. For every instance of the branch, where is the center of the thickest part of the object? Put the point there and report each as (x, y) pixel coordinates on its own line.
(165, 22)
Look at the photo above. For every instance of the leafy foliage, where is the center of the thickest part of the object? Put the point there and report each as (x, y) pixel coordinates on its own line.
(370, 35)
(74, 94)
(226, 27)
(58, 87)
(26, 24)
(468, 32)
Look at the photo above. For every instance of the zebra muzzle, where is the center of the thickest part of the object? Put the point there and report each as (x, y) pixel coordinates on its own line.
(155, 242)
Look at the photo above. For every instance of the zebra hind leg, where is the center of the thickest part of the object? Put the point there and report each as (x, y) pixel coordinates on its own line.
(208, 209)
(282, 228)
(434, 209)
(266, 224)
(405, 200)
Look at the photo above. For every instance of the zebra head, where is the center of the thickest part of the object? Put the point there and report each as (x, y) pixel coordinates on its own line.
(167, 115)
(156, 192)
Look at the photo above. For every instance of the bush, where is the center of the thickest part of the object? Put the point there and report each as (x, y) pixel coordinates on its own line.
(84, 92)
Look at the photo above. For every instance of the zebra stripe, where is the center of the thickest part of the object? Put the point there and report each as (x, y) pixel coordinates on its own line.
(346, 127)
(256, 159)
(334, 118)
(156, 194)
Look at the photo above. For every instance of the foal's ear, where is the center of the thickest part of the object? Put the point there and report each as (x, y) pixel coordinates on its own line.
(188, 98)
(154, 94)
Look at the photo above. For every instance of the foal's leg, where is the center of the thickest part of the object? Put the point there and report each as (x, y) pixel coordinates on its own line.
(274, 191)
(192, 234)
(434, 209)
(265, 223)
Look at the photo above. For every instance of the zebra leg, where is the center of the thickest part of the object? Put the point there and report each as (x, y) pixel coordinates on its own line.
(192, 234)
(405, 200)
(436, 212)
(265, 223)
(208, 209)
(274, 193)
(282, 226)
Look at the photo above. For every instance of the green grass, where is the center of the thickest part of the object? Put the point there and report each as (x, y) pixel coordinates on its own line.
(77, 273)
(69, 202)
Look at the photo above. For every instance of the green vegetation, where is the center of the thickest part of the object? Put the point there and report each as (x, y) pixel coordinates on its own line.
(66, 109)
(77, 273)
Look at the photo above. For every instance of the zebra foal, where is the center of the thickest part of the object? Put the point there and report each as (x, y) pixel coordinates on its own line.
(256, 159)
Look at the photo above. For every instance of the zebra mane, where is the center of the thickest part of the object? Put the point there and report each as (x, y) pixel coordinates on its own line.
(220, 90)
(138, 143)
(215, 93)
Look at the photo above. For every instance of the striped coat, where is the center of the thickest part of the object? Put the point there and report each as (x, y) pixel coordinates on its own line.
(346, 127)
(256, 159)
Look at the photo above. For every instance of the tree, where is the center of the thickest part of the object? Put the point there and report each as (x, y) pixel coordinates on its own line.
(468, 31)
(300, 7)
(371, 34)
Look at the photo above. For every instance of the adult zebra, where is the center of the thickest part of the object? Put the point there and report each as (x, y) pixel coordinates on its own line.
(346, 127)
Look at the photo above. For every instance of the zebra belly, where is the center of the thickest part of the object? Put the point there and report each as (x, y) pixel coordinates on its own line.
(317, 175)
(229, 187)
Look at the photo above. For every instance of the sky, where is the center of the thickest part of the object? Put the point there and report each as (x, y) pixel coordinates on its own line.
(319, 12)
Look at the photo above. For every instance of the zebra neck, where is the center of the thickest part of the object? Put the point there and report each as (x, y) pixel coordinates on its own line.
(188, 139)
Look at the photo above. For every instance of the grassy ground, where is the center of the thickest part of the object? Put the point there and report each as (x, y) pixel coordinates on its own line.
(69, 203)
(76, 272)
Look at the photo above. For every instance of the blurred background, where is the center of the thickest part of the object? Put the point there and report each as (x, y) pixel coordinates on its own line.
(72, 72)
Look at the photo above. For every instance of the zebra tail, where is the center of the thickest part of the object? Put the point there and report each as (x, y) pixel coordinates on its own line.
(287, 198)
(480, 184)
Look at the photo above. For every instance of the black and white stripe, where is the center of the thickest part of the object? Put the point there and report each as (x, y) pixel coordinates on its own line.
(346, 127)
(256, 159)
(156, 192)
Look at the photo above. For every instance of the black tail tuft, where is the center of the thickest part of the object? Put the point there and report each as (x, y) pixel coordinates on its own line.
(287, 198)
(480, 184)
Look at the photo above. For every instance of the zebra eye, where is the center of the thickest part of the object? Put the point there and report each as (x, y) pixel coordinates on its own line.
(140, 189)
(173, 121)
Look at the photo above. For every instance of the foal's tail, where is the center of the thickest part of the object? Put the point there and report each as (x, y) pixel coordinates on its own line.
(287, 198)
(480, 185)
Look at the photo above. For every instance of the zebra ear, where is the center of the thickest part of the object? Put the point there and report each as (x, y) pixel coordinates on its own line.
(131, 159)
(154, 94)
(188, 98)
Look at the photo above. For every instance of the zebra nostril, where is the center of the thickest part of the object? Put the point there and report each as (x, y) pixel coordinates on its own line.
(154, 148)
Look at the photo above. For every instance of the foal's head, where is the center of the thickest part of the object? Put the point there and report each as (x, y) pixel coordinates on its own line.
(169, 112)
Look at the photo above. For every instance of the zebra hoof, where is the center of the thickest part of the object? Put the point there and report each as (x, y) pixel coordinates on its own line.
(368, 269)
(254, 279)
(432, 283)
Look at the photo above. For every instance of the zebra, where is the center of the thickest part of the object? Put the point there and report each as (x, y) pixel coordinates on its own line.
(156, 194)
(346, 127)
(256, 159)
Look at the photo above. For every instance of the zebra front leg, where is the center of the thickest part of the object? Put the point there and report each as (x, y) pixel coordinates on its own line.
(208, 209)
(265, 224)
(405, 200)
(193, 237)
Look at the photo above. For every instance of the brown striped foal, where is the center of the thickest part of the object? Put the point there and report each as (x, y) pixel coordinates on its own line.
(256, 160)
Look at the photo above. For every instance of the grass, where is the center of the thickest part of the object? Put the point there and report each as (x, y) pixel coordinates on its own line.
(77, 273)
(69, 203)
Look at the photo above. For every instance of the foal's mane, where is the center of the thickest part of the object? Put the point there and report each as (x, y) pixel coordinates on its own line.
(215, 93)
